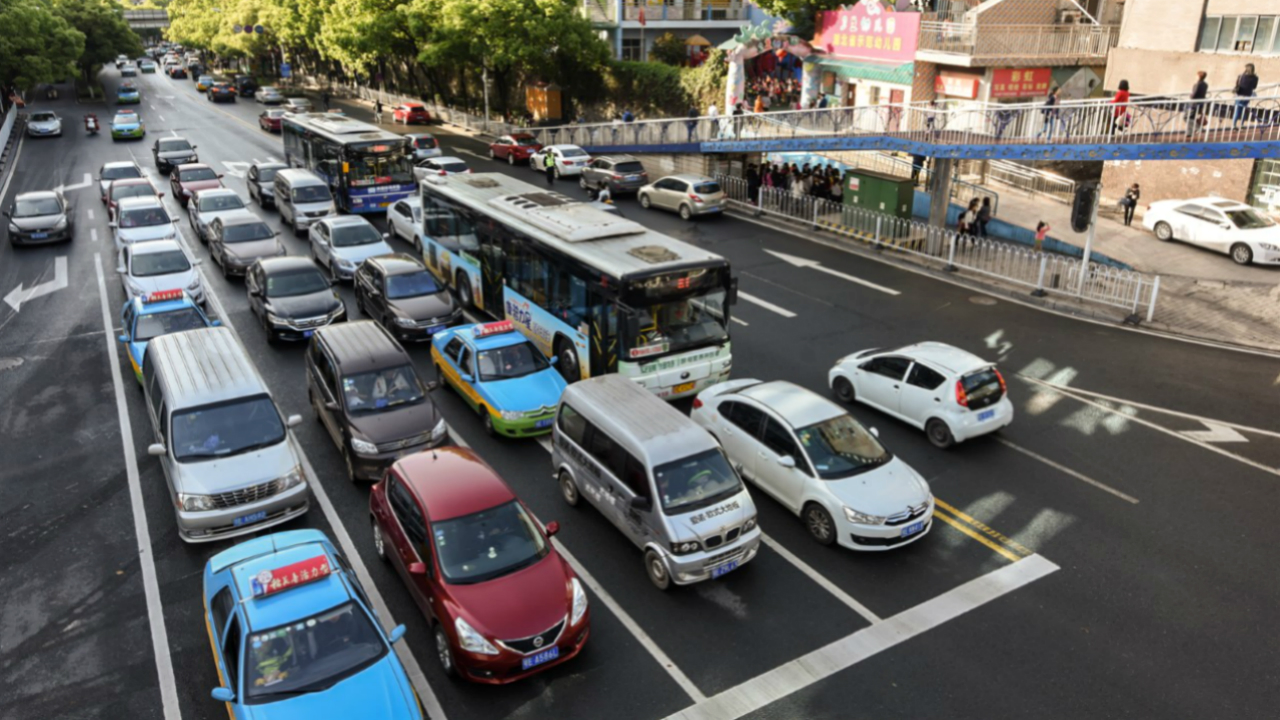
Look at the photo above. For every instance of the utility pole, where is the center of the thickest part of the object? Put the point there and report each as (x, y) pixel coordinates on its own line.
(485, 80)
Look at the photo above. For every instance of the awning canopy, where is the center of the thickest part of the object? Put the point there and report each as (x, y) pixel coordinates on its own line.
(697, 40)
(902, 74)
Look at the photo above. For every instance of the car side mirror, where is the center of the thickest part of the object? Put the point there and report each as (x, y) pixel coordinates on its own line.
(386, 236)
(875, 432)
(219, 176)
(417, 568)
(553, 527)
(155, 450)
(331, 405)
(396, 634)
(197, 261)
(222, 694)
(466, 378)
(8, 213)
(123, 338)
(553, 359)
(216, 323)
(159, 194)
(193, 147)
(293, 421)
(787, 461)
(433, 386)
(643, 504)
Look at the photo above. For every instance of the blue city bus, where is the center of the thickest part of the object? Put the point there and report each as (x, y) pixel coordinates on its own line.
(366, 167)
(596, 291)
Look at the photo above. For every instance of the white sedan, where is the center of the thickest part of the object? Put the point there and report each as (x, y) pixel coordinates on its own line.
(43, 123)
(814, 458)
(570, 159)
(156, 265)
(1224, 226)
(404, 217)
(445, 165)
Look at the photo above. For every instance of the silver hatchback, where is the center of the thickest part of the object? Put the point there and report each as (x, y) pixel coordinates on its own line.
(689, 195)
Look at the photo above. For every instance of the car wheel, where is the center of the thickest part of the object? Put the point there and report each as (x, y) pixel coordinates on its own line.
(656, 569)
(315, 405)
(493, 154)
(685, 212)
(556, 172)
(819, 524)
(1242, 254)
(333, 272)
(379, 544)
(1164, 232)
(417, 244)
(346, 460)
(568, 364)
(569, 489)
(582, 182)
(939, 434)
(272, 338)
(464, 290)
(444, 652)
(645, 202)
(488, 421)
(511, 159)
(844, 390)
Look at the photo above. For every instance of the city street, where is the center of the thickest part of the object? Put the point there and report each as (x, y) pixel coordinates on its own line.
(1105, 556)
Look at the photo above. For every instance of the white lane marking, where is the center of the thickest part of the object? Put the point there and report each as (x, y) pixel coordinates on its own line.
(766, 305)
(850, 650)
(815, 265)
(88, 180)
(173, 133)
(162, 119)
(93, 234)
(743, 323)
(1216, 433)
(471, 152)
(89, 212)
(1066, 470)
(17, 153)
(818, 577)
(146, 559)
(236, 168)
(153, 107)
(20, 295)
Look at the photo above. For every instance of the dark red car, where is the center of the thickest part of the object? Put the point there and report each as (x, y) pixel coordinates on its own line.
(410, 113)
(514, 148)
(128, 187)
(501, 601)
(186, 179)
(270, 120)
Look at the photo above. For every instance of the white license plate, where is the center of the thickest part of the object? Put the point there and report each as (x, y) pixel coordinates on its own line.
(249, 519)
(912, 529)
(986, 414)
(545, 656)
(724, 569)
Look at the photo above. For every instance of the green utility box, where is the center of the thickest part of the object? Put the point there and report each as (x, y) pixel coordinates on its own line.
(879, 193)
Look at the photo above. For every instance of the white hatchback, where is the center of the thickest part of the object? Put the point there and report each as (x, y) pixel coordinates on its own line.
(1225, 226)
(809, 454)
(951, 394)
(569, 160)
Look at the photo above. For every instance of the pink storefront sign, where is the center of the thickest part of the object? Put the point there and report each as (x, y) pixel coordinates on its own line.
(868, 31)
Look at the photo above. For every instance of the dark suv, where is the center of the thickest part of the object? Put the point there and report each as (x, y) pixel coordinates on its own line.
(621, 173)
(245, 85)
(366, 394)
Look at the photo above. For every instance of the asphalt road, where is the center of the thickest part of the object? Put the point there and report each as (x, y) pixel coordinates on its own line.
(1108, 555)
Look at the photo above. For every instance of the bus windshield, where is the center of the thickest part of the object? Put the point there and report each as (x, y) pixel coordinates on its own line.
(367, 169)
(677, 325)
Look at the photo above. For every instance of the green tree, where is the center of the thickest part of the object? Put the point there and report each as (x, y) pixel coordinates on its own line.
(802, 14)
(669, 49)
(36, 44)
(106, 34)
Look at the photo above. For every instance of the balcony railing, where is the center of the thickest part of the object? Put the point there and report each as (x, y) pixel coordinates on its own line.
(1036, 42)
(606, 11)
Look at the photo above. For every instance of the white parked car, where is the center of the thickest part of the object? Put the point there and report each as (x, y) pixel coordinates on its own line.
(1224, 226)
(404, 217)
(445, 165)
(820, 463)
(340, 243)
(951, 394)
(208, 205)
(43, 123)
(139, 219)
(156, 265)
(570, 160)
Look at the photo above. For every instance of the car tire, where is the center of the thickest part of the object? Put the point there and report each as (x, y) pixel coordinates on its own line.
(657, 571)
(819, 524)
(556, 172)
(511, 159)
(685, 212)
(844, 390)
(568, 360)
(487, 421)
(346, 461)
(379, 542)
(417, 244)
(272, 338)
(582, 182)
(569, 489)
(1242, 254)
(939, 434)
(315, 405)
(464, 291)
(1164, 232)
(444, 653)
(493, 154)
(645, 202)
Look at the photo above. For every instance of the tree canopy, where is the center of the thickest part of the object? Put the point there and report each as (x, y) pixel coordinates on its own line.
(37, 45)
(105, 32)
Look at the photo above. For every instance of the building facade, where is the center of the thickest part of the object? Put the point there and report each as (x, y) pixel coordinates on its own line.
(631, 26)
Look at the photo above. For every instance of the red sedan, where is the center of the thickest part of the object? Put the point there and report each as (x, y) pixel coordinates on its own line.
(514, 148)
(128, 187)
(270, 120)
(410, 113)
(502, 603)
(186, 179)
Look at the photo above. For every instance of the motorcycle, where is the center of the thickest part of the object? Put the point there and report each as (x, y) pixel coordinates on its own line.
(91, 124)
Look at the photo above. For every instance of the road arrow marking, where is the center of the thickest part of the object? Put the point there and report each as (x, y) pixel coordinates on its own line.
(88, 180)
(20, 295)
(236, 169)
(1215, 434)
(814, 264)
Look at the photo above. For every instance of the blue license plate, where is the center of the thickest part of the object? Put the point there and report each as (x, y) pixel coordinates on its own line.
(545, 656)
(308, 333)
(250, 519)
(912, 529)
(544, 423)
(39, 236)
(436, 328)
(986, 414)
(724, 569)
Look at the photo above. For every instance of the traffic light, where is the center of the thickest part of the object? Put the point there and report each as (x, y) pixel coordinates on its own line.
(1082, 206)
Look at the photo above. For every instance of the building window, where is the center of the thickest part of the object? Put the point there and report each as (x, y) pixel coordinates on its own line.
(1265, 193)
(631, 49)
(1246, 34)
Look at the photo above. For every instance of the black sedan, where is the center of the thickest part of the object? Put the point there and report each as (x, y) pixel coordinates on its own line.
(39, 217)
(221, 92)
(170, 152)
(292, 297)
(398, 292)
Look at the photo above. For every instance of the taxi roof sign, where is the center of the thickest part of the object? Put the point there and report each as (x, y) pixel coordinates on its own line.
(494, 328)
(162, 296)
(269, 582)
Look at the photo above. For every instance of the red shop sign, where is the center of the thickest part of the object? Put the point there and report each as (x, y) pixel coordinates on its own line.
(962, 86)
(1026, 82)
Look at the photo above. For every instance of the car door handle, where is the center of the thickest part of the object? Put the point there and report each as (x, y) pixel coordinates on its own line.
(937, 399)
(895, 387)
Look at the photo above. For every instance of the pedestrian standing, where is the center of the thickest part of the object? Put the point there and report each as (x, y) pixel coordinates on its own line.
(984, 216)
(917, 164)
(692, 123)
(1130, 202)
(822, 101)
(1246, 86)
(377, 112)
(753, 183)
(738, 112)
(1195, 108)
(1050, 113)
(759, 106)
(1042, 231)
(1120, 116)
(969, 219)
(324, 98)
(628, 116)
(837, 186)
(549, 164)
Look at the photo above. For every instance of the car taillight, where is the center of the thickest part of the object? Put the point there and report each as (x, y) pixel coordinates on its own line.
(962, 398)
(568, 162)
(1004, 389)
(695, 198)
(616, 177)
(697, 403)
(442, 172)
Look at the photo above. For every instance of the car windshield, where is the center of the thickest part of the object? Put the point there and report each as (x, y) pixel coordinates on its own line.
(125, 119)
(157, 324)
(527, 141)
(143, 217)
(488, 544)
(216, 203)
(290, 284)
(450, 167)
(706, 188)
(364, 169)
(311, 654)
(379, 389)
(159, 263)
(206, 79)
(35, 207)
(246, 232)
(679, 325)
(273, 114)
(841, 447)
(573, 152)
(120, 192)
(409, 285)
(121, 171)
(696, 481)
(1249, 219)
(197, 175)
(232, 428)
(355, 234)
(42, 117)
(512, 361)
(267, 174)
(311, 194)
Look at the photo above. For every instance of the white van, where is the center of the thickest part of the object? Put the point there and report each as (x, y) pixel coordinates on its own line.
(656, 475)
(302, 198)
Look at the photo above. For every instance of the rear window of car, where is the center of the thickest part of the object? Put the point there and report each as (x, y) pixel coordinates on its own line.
(707, 188)
(573, 152)
(982, 388)
(629, 167)
(425, 142)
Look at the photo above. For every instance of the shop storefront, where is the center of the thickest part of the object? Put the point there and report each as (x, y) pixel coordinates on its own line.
(864, 56)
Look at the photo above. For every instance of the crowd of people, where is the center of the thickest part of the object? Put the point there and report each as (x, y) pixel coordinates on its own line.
(770, 93)
(817, 181)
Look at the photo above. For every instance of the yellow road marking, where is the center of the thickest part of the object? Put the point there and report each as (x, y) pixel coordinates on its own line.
(974, 534)
(985, 529)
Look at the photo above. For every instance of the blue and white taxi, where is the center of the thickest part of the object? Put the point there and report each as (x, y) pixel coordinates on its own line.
(154, 314)
(293, 634)
(501, 375)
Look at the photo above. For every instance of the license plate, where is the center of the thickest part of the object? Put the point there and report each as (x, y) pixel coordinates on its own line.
(383, 204)
(308, 333)
(545, 656)
(986, 414)
(683, 387)
(436, 328)
(249, 519)
(544, 423)
(633, 177)
(912, 529)
(39, 236)
(724, 569)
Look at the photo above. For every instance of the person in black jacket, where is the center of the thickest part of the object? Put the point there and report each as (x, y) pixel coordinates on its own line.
(1246, 85)
(1195, 108)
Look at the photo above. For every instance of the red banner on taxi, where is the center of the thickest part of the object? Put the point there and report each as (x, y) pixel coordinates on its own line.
(269, 582)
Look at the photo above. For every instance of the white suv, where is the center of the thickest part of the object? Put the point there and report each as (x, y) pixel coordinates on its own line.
(951, 394)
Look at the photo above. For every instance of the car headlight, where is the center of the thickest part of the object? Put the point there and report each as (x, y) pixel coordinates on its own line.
(1269, 246)
(406, 322)
(195, 284)
(579, 602)
(14, 228)
(277, 320)
(749, 525)
(61, 224)
(345, 264)
(363, 447)
(472, 641)
(439, 430)
(291, 478)
(684, 548)
(511, 415)
(856, 517)
(195, 503)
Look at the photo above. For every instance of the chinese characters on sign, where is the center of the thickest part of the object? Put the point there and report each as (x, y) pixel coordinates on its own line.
(870, 31)
(955, 85)
(283, 578)
(1027, 82)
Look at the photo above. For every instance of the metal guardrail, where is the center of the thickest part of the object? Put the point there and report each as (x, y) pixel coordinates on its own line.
(6, 129)
(902, 167)
(1023, 41)
(1031, 180)
(1041, 271)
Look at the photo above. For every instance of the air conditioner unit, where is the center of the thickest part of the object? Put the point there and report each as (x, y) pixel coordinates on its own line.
(1070, 17)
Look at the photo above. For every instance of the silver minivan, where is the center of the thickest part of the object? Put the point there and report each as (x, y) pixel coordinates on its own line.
(228, 457)
(656, 475)
(302, 198)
